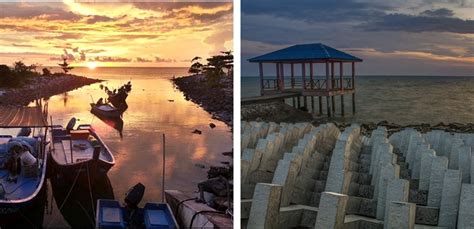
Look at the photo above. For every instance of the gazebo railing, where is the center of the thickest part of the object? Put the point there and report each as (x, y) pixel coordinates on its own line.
(270, 84)
(319, 84)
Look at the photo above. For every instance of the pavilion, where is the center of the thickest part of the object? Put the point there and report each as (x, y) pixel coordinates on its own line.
(308, 85)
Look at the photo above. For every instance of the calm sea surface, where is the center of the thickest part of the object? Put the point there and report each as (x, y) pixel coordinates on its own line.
(402, 99)
(155, 107)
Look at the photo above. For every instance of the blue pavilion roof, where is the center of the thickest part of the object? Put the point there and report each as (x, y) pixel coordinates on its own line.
(306, 52)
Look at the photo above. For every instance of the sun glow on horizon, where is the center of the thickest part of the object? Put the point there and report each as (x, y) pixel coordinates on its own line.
(92, 65)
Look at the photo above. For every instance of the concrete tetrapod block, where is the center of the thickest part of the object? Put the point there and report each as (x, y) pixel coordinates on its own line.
(332, 209)
(265, 206)
(448, 211)
(439, 166)
(421, 149)
(400, 215)
(465, 156)
(397, 190)
(425, 169)
(466, 213)
(285, 175)
(388, 173)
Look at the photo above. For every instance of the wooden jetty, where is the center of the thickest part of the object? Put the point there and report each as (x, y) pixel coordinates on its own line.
(309, 57)
(24, 116)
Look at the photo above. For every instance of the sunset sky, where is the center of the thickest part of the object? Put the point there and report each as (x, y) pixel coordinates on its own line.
(399, 37)
(114, 34)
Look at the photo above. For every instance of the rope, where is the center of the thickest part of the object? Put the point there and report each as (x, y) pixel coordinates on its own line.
(181, 202)
(90, 189)
(85, 211)
(200, 212)
(68, 194)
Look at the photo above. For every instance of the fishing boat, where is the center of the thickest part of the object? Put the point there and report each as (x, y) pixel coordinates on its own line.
(79, 154)
(107, 110)
(23, 158)
(111, 214)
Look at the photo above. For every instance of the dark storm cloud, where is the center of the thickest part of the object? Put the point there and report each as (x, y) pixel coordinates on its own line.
(420, 23)
(443, 12)
(316, 10)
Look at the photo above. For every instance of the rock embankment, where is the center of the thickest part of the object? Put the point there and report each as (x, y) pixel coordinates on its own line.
(43, 87)
(215, 100)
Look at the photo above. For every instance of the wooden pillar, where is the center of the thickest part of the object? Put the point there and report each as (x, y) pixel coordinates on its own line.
(292, 76)
(298, 102)
(293, 98)
(341, 75)
(311, 75)
(260, 66)
(278, 75)
(333, 86)
(312, 104)
(305, 102)
(342, 104)
(353, 88)
(327, 76)
(320, 105)
(303, 71)
(328, 106)
(282, 74)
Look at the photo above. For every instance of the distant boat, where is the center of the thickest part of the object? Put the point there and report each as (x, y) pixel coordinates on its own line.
(79, 154)
(107, 110)
(22, 191)
(111, 214)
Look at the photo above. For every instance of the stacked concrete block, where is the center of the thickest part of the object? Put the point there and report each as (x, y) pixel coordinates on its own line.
(439, 166)
(448, 212)
(466, 213)
(397, 190)
(427, 157)
(400, 215)
(346, 150)
(464, 163)
(388, 172)
(334, 205)
(265, 206)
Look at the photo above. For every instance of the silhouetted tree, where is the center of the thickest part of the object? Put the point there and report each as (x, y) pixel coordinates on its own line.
(65, 65)
(196, 67)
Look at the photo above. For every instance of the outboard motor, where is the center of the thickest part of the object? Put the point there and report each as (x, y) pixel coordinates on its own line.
(71, 124)
(134, 195)
(132, 214)
(24, 132)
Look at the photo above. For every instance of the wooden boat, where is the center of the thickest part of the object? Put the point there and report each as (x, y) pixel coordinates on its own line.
(25, 191)
(79, 154)
(107, 110)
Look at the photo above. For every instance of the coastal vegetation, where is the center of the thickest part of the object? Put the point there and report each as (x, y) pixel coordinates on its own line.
(217, 66)
(17, 75)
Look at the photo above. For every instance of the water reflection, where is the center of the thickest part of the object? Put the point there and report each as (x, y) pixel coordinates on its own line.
(77, 203)
(155, 107)
(115, 123)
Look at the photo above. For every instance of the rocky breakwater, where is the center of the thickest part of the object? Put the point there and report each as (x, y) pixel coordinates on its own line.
(43, 87)
(216, 100)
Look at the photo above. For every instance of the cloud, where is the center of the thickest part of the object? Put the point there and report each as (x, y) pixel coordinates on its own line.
(41, 11)
(412, 23)
(63, 36)
(161, 60)
(442, 12)
(111, 59)
(97, 18)
(22, 45)
(142, 60)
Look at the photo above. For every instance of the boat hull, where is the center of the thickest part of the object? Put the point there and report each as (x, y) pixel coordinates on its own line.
(84, 172)
(107, 114)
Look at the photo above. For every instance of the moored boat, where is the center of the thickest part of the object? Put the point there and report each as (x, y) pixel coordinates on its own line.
(23, 160)
(107, 110)
(111, 214)
(79, 154)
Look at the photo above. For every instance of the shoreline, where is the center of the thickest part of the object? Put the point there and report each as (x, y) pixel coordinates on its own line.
(279, 112)
(218, 101)
(41, 87)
